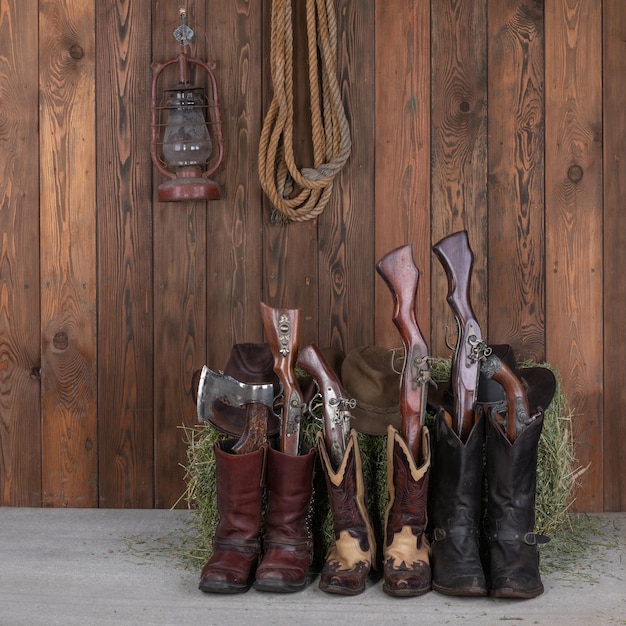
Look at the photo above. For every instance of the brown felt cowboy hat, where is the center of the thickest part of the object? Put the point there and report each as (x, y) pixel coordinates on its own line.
(371, 376)
(538, 381)
(251, 363)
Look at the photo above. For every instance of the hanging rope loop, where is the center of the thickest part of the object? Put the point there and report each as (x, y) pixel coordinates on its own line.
(302, 194)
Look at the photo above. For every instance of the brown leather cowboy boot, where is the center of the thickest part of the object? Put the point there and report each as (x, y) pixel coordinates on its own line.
(405, 551)
(512, 478)
(287, 543)
(236, 542)
(353, 551)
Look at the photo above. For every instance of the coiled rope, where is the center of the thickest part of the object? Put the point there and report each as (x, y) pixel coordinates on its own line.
(300, 195)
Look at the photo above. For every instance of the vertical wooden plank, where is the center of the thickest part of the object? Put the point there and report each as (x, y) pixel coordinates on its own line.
(234, 223)
(613, 72)
(574, 224)
(20, 435)
(402, 170)
(516, 125)
(346, 227)
(290, 258)
(459, 145)
(180, 248)
(68, 263)
(125, 367)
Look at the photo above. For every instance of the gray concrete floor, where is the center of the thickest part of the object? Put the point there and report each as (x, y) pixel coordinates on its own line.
(102, 566)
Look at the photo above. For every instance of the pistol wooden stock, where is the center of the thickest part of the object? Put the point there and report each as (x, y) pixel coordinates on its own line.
(397, 268)
(336, 425)
(457, 260)
(518, 410)
(282, 330)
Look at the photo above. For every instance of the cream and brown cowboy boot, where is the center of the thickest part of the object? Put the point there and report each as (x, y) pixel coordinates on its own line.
(352, 553)
(406, 548)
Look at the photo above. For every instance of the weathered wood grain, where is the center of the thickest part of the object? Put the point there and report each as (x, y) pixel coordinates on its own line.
(346, 263)
(68, 244)
(180, 314)
(614, 251)
(515, 150)
(125, 306)
(573, 223)
(234, 223)
(20, 436)
(459, 151)
(402, 158)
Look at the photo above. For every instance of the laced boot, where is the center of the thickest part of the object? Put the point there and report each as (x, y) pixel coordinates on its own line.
(287, 543)
(457, 480)
(405, 551)
(353, 551)
(236, 543)
(512, 478)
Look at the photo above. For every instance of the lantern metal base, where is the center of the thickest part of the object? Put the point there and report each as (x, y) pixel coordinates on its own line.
(188, 189)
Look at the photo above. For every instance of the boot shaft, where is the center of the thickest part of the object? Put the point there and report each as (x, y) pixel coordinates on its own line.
(346, 494)
(408, 486)
(512, 477)
(289, 488)
(456, 475)
(239, 485)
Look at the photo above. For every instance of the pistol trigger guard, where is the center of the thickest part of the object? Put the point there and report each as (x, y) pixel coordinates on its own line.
(316, 405)
(449, 334)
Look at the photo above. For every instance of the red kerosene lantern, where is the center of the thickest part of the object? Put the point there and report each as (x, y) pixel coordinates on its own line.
(186, 144)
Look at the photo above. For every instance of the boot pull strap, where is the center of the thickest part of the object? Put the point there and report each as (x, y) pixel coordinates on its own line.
(530, 539)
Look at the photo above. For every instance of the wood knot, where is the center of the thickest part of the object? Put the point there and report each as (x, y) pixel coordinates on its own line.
(60, 341)
(575, 173)
(76, 52)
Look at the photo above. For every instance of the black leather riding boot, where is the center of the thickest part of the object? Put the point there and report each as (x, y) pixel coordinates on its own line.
(512, 478)
(457, 481)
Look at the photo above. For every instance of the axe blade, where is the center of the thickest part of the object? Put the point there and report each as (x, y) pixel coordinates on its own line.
(214, 386)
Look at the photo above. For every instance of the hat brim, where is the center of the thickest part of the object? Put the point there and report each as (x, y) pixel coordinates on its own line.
(373, 420)
(539, 382)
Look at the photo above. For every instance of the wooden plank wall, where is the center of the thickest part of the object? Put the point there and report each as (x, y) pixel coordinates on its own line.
(503, 118)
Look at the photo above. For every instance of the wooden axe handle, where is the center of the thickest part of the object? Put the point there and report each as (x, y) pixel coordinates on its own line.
(254, 433)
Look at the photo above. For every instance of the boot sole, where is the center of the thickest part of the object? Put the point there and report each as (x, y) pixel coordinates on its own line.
(473, 592)
(342, 591)
(405, 593)
(278, 586)
(508, 592)
(225, 588)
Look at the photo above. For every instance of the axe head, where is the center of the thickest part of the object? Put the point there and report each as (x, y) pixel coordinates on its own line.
(214, 387)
